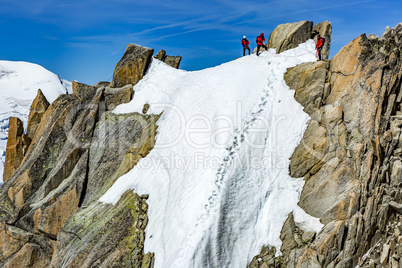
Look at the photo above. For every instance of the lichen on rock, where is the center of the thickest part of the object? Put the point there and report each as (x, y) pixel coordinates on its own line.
(352, 182)
(78, 148)
(105, 235)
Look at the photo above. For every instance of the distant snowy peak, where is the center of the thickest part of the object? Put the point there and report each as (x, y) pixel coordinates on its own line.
(19, 84)
(22, 80)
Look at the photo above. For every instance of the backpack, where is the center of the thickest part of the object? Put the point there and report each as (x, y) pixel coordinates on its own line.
(256, 40)
(323, 42)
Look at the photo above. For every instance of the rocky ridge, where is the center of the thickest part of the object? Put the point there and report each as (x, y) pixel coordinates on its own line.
(290, 35)
(74, 150)
(350, 158)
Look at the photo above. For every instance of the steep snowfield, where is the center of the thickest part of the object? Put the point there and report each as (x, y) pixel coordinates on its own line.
(19, 83)
(217, 178)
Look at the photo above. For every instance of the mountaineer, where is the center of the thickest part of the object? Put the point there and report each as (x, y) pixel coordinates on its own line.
(245, 43)
(318, 46)
(260, 42)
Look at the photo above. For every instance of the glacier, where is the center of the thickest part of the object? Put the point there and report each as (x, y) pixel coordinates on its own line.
(218, 177)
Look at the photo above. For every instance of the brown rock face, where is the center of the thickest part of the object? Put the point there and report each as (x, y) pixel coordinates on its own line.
(353, 117)
(39, 197)
(288, 235)
(132, 66)
(309, 260)
(14, 150)
(61, 138)
(117, 96)
(160, 55)
(49, 215)
(79, 148)
(19, 248)
(83, 92)
(38, 109)
(102, 84)
(53, 217)
(309, 154)
(105, 235)
(11, 241)
(173, 61)
(26, 141)
(308, 80)
(29, 256)
(353, 186)
(290, 35)
(169, 60)
(126, 138)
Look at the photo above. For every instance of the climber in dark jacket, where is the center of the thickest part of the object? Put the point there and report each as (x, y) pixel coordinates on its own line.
(245, 43)
(260, 42)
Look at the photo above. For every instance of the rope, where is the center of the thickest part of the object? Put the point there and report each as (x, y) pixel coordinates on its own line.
(110, 78)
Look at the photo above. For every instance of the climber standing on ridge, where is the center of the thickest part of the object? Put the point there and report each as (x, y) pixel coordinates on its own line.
(245, 43)
(260, 42)
(318, 46)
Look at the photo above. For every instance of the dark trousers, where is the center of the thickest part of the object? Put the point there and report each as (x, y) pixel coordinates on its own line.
(258, 48)
(319, 53)
(244, 50)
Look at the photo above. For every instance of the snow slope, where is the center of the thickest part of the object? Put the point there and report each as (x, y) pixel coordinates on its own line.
(19, 83)
(217, 178)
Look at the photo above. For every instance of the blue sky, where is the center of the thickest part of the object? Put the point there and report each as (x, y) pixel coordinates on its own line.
(83, 40)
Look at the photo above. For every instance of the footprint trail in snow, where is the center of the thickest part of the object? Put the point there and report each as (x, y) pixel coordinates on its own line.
(219, 216)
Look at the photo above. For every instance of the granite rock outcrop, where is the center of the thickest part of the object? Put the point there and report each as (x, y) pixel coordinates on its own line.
(15, 149)
(350, 157)
(173, 61)
(49, 210)
(290, 35)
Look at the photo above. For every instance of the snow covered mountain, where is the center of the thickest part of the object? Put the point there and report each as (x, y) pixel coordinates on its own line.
(19, 83)
(218, 178)
(168, 168)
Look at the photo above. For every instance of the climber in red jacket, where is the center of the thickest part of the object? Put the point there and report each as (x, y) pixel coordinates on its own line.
(245, 43)
(318, 46)
(260, 42)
